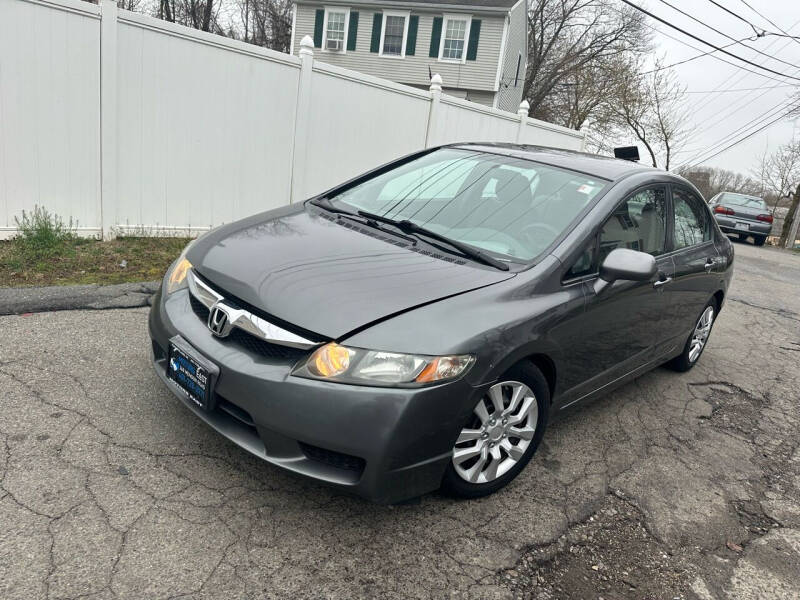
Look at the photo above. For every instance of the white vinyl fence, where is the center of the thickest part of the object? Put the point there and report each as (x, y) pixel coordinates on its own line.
(124, 122)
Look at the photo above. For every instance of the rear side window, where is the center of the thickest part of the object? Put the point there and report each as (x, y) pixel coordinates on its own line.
(639, 223)
(692, 225)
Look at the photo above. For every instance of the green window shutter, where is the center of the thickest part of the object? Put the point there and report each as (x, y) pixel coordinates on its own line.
(474, 36)
(318, 23)
(411, 42)
(352, 31)
(377, 22)
(436, 37)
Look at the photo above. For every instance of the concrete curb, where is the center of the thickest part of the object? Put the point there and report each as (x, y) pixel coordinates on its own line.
(14, 301)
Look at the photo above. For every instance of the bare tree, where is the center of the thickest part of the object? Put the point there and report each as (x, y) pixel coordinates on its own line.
(573, 46)
(711, 181)
(779, 172)
(266, 23)
(652, 109)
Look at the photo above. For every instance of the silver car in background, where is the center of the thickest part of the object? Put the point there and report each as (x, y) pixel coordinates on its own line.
(743, 215)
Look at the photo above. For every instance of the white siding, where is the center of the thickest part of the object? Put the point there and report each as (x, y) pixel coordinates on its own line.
(509, 95)
(479, 74)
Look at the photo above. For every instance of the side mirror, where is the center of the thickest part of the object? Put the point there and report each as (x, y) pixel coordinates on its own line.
(626, 265)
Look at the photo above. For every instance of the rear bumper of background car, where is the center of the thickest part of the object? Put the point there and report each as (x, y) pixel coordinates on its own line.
(730, 225)
(385, 444)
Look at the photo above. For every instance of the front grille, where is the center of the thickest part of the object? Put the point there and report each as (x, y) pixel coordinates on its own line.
(247, 341)
(334, 459)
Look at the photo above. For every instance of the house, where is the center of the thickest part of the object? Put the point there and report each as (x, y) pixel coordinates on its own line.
(477, 46)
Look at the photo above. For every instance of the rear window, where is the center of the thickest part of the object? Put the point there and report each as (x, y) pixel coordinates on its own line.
(742, 200)
(510, 207)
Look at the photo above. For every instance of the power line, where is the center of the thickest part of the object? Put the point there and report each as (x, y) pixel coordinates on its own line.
(764, 115)
(770, 21)
(730, 111)
(741, 18)
(681, 62)
(701, 40)
(722, 33)
(734, 78)
(719, 58)
(784, 109)
(740, 140)
(772, 87)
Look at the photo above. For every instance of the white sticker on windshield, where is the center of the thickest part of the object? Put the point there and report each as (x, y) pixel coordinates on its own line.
(585, 189)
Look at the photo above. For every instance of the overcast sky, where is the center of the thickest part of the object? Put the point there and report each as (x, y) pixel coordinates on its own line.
(716, 116)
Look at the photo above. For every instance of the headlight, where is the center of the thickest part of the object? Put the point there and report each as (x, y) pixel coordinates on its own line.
(333, 362)
(176, 275)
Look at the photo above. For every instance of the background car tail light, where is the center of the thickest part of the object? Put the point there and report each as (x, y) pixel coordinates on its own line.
(765, 218)
(723, 210)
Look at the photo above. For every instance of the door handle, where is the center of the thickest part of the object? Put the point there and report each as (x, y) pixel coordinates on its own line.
(662, 282)
(710, 264)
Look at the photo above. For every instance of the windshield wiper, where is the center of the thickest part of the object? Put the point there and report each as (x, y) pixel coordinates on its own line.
(407, 226)
(325, 204)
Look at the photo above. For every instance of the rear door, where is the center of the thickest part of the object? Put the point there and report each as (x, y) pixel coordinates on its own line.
(697, 262)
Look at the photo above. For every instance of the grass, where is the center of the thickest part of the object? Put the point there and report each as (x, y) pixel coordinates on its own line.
(47, 252)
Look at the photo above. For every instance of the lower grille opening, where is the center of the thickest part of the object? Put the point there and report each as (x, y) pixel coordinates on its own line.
(236, 412)
(333, 459)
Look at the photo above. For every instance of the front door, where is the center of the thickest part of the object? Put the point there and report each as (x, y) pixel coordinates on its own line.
(624, 323)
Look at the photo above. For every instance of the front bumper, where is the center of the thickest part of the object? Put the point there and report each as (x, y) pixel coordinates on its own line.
(385, 444)
(729, 225)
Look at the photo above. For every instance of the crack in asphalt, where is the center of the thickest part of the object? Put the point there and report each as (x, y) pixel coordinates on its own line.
(168, 493)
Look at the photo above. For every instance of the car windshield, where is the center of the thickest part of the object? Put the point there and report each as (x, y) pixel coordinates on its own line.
(509, 207)
(742, 200)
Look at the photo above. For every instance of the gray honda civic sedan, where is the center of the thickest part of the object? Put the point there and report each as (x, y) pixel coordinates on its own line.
(416, 327)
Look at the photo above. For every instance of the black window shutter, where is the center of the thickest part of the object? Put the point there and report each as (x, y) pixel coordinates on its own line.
(377, 22)
(411, 42)
(474, 36)
(436, 37)
(318, 23)
(352, 31)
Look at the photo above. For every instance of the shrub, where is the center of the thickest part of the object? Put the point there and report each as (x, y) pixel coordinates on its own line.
(42, 234)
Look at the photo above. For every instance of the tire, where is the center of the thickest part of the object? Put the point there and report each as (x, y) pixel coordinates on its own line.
(759, 240)
(688, 359)
(492, 437)
(743, 237)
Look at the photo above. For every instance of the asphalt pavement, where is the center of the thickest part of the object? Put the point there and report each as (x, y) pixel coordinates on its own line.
(676, 485)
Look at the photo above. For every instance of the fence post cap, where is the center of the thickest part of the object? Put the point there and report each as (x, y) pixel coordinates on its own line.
(436, 83)
(524, 108)
(307, 46)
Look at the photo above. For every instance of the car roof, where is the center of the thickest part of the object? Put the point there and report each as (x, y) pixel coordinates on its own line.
(603, 167)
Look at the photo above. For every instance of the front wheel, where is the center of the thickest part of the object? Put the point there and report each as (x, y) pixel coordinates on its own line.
(697, 340)
(501, 435)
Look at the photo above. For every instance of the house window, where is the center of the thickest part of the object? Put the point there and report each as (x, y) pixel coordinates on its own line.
(395, 29)
(454, 38)
(335, 30)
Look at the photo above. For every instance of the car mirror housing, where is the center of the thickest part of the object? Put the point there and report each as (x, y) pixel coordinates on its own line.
(626, 265)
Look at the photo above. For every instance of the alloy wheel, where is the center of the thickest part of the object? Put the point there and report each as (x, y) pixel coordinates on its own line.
(501, 430)
(701, 332)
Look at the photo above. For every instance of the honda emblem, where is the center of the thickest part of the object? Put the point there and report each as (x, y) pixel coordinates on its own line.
(219, 321)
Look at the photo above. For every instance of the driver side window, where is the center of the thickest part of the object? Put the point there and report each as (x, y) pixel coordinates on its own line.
(639, 223)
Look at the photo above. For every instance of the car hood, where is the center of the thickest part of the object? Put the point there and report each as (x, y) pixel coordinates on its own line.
(310, 271)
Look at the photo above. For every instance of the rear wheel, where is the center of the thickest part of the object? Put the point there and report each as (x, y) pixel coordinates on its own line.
(501, 435)
(697, 340)
(759, 240)
(743, 237)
